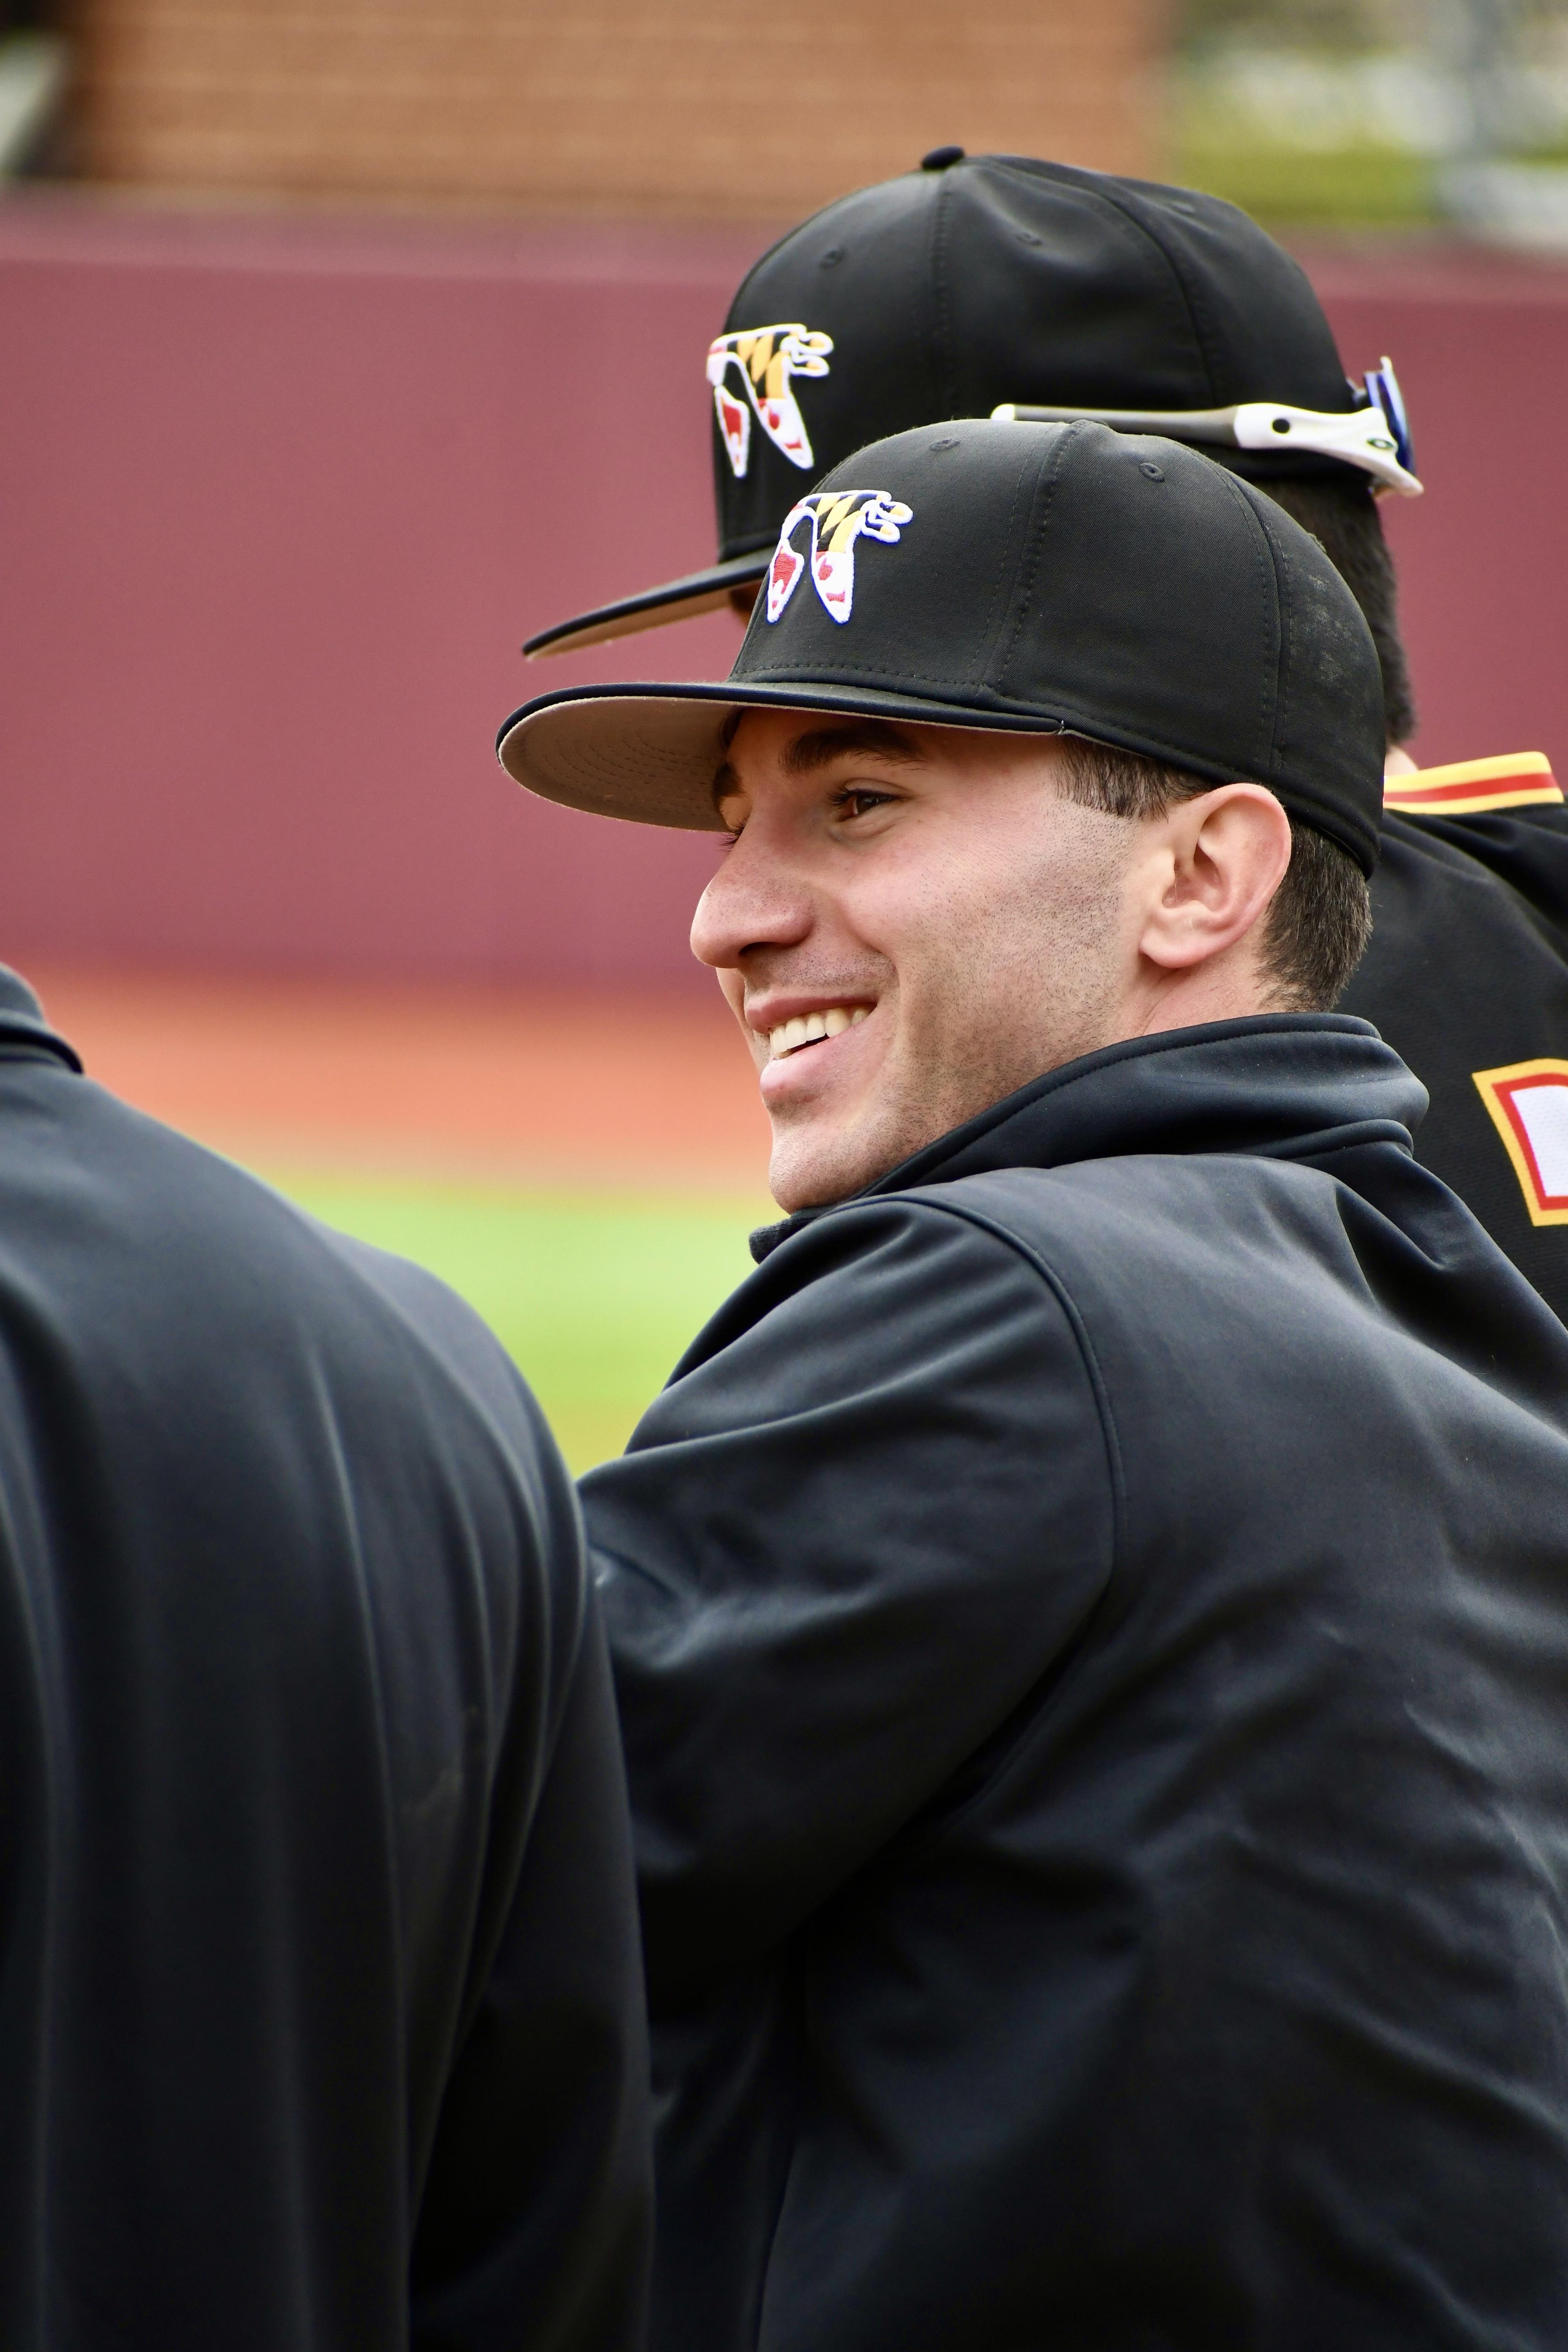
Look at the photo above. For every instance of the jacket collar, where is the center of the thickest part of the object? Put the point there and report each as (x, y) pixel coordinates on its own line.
(1287, 1086)
(24, 1034)
(1474, 787)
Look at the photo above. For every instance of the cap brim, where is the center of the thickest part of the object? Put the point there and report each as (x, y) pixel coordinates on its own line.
(648, 753)
(677, 599)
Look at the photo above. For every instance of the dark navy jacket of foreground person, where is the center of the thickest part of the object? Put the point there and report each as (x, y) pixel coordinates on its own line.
(318, 1998)
(1090, 1619)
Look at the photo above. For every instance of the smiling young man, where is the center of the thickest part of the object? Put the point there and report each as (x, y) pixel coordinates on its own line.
(896, 876)
(1089, 1613)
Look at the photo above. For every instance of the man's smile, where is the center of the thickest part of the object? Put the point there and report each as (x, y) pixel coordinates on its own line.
(812, 1028)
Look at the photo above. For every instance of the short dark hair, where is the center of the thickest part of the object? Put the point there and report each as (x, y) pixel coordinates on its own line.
(1343, 516)
(1316, 930)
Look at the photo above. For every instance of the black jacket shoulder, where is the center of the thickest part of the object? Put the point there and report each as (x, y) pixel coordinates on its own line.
(321, 1956)
(1088, 1622)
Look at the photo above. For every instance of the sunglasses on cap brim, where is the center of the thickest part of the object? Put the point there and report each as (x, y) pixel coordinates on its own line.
(1375, 435)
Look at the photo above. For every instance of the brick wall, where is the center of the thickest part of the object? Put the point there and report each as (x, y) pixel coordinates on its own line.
(679, 107)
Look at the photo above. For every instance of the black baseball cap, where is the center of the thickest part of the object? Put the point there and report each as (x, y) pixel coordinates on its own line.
(1032, 578)
(976, 282)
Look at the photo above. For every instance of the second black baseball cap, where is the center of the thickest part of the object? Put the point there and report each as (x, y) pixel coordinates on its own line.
(1030, 578)
(993, 279)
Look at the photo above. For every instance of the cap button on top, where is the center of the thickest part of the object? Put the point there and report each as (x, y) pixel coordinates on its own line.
(940, 158)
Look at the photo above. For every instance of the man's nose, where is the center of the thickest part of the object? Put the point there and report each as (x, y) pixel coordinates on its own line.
(755, 900)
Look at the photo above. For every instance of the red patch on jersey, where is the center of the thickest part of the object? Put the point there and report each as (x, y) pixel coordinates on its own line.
(1528, 1104)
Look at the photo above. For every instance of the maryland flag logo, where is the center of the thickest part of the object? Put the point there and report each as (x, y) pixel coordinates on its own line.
(837, 518)
(1528, 1105)
(750, 374)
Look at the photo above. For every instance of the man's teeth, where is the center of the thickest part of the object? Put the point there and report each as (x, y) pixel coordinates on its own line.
(808, 1027)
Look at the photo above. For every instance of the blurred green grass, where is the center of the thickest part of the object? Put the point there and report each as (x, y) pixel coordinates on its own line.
(1293, 187)
(595, 1293)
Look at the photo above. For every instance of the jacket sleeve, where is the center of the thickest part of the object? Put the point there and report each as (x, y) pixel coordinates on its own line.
(521, 1969)
(535, 2222)
(871, 1508)
(521, 1964)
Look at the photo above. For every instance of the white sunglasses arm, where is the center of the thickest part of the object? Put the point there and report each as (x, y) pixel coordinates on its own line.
(1360, 438)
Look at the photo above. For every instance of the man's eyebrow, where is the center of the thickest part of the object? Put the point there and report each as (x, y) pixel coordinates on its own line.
(823, 745)
(820, 747)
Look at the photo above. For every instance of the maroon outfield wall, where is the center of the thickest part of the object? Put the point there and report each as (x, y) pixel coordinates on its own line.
(281, 495)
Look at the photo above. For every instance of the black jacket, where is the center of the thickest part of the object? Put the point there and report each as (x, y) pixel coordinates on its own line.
(318, 1956)
(1468, 971)
(1090, 1621)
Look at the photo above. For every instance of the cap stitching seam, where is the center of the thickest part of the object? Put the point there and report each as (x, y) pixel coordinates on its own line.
(943, 367)
(1287, 604)
(1029, 567)
(1199, 327)
(1089, 183)
(1280, 739)
(774, 675)
(1263, 558)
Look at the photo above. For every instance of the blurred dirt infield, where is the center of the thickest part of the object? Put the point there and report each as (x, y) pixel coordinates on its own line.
(583, 1169)
(498, 1085)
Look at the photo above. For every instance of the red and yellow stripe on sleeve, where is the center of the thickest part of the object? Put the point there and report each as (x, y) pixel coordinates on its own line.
(1473, 787)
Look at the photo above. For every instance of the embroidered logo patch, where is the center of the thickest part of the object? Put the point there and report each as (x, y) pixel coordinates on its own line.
(750, 374)
(1528, 1105)
(837, 518)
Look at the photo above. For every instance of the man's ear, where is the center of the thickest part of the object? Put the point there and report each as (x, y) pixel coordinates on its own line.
(1220, 859)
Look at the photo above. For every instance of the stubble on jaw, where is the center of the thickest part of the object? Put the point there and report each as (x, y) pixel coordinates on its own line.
(1005, 993)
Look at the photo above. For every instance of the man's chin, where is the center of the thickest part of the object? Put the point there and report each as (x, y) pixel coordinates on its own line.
(817, 1161)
